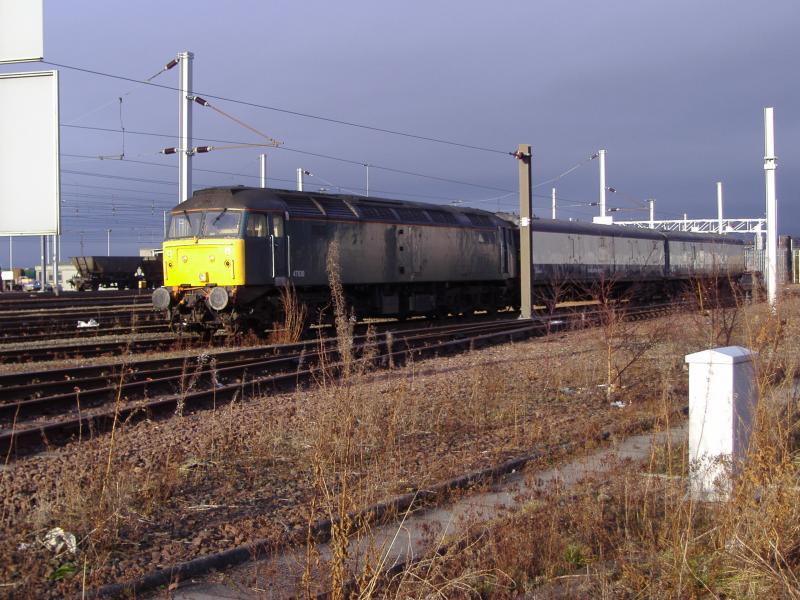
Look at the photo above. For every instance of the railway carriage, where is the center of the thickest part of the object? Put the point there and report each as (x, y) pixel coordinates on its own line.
(230, 251)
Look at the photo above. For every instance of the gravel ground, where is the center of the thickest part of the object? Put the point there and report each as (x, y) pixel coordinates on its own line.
(157, 493)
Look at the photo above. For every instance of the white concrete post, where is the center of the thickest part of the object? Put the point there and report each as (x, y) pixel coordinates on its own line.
(770, 163)
(603, 217)
(185, 127)
(299, 180)
(553, 203)
(719, 208)
(602, 155)
(263, 169)
(722, 401)
(652, 207)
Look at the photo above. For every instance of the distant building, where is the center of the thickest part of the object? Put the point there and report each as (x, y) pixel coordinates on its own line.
(66, 271)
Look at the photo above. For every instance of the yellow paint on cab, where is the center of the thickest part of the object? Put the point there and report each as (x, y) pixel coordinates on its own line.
(202, 261)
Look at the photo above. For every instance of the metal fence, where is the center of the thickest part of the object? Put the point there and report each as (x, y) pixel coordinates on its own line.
(755, 260)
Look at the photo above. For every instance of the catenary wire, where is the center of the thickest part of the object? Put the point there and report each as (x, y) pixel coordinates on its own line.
(285, 111)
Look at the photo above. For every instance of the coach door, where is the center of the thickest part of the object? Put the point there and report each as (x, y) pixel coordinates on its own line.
(279, 242)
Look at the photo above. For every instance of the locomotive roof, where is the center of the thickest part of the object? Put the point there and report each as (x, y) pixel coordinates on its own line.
(336, 206)
(307, 204)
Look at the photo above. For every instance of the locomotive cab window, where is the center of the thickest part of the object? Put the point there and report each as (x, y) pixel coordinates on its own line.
(256, 225)
(277, 225)
(223, 223)
(184, 225)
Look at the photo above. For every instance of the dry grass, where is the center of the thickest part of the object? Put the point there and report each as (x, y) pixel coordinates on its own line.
(640, 535)
(360, 435)
(290, 326)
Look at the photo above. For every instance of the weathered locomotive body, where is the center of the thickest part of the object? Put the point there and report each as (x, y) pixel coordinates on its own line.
(229, 252)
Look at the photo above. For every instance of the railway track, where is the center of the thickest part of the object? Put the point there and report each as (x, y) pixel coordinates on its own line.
(51, 407)
(104, 347)
(15, 302)
(59, 329)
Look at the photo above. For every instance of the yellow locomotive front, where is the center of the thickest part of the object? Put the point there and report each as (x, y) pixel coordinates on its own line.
(204, 265)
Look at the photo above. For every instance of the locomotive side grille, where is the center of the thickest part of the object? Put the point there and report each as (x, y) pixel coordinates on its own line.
(336, 208)
(376, 212)
(440, 216)
(412, 215)
(479, 220)
(301, 206)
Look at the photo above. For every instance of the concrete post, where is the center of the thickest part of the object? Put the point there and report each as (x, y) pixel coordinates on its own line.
(553, 204)
(185, 127)
(719, 208)
(602, 218)
(523, 155)
(722, 401)
(299, 179)
(263, 169)
(602, 155)
(770, 163)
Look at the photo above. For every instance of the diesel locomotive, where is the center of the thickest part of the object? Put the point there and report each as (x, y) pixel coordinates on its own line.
(229, 252)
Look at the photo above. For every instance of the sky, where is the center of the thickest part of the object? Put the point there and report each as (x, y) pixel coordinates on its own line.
(673, 91)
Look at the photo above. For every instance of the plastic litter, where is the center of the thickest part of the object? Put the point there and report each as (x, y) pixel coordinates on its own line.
(89, 323)
(618, 404)
(59, 540)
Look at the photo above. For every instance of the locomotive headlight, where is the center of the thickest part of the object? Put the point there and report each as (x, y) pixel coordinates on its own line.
(185, 258)
(203, 276)
(211, 258)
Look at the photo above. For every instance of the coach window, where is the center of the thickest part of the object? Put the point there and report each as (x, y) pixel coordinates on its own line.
(277, 225)
(256, 225)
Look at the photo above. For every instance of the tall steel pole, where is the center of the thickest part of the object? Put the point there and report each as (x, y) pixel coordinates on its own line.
(652, 204)
(300, 180)
(554, 204)
(602, 156)
(770, 163)
(185, 133)
(523, 154)
(719, 207)
(11, 254)
(55, 264)
(43, 260)
(367, 166)
(108, 242)
(263, 165)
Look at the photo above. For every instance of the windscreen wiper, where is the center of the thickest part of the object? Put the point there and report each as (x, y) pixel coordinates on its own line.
(219, 216)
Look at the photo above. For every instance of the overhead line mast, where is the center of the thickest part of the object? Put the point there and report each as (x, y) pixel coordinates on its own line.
(185, 132)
